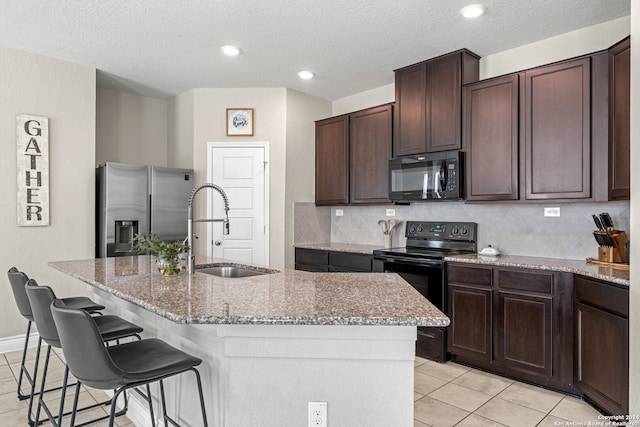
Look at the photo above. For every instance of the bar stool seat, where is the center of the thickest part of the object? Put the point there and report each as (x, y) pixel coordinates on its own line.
(146, 360)
(83, 303)
(120, 366)
(109, 327)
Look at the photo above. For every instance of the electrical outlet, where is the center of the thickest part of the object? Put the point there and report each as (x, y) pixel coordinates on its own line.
(339, 212)
(317, 414)
(552, 211)
(391, 212)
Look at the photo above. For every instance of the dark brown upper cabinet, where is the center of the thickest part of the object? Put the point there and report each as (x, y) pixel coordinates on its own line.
(428, 113)
(370, 151)
(352, 157)
(619, 120)
(556, 107)
(541, 134)
(332, 161)
(490, 132)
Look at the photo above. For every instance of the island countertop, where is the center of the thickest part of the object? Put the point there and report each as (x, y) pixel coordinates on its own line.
(288, 297)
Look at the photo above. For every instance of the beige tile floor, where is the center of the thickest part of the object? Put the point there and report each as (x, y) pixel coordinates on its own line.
(444, 394)
(13, 412)
(455, 395)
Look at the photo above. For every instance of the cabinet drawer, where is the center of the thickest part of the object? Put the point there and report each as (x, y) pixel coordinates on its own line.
(312, 257)
(469, 275)
(525, 281)
(312, 268)
(602, 295)
(350, 262)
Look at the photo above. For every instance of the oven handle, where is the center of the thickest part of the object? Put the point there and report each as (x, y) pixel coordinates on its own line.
(411, 261)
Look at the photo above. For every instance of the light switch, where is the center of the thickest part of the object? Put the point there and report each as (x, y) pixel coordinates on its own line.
(339, 212)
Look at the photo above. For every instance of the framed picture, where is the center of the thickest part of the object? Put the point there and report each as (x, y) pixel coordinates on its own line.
(239, 121)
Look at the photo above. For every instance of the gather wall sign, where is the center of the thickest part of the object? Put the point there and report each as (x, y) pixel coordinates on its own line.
(32, 135)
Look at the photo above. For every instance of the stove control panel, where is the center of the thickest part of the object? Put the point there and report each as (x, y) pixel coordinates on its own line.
(429, 230)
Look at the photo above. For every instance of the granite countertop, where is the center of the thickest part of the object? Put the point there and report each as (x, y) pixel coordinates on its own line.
(340, 247)
(614, 275)
(288, 297)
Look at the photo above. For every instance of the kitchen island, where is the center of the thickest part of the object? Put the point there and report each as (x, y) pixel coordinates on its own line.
(272, 343)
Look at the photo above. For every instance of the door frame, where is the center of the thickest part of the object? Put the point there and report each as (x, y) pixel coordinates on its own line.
(267, 186)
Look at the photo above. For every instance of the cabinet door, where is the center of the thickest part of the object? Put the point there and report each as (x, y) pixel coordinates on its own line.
(410, 115)
(619, 121)
(490, 127)
(470, 332)
(332, 161)
(524, 328)
(602, 356)
(370, 148)
(557, 131)
(444, 98)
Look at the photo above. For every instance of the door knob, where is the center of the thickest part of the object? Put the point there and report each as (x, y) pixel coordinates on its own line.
(217, 243)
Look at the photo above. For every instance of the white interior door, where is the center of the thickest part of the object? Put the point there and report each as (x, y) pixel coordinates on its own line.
(242, 172)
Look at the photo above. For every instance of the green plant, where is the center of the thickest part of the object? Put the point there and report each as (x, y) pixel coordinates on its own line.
(165, 253)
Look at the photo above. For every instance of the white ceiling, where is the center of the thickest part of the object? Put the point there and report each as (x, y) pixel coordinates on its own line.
(165, 47)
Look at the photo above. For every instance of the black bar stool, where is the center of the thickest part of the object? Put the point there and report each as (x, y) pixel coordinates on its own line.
(120, 366)
(110, 328)
(18, 280)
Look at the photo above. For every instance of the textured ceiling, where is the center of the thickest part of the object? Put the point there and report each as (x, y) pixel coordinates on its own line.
(165, 47)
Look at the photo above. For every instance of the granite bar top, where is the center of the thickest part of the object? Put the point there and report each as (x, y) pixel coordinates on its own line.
(288, 297)
(610, 274)
(341, 247)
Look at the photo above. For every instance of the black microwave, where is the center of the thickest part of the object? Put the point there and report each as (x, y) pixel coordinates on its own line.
(426, 177)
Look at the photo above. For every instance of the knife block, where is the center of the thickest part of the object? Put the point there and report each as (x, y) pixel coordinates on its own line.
(618, 253)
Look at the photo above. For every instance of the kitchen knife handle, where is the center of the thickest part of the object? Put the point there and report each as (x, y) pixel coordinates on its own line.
(597, 221)
(607, 221)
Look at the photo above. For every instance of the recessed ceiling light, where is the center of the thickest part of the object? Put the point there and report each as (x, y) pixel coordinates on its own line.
(230, 50)
(305, 74)
(473, 10)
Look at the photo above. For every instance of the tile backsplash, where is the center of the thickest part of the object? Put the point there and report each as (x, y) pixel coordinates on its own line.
(515, 229)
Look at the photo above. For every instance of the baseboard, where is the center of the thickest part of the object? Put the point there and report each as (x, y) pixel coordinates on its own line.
(16, 343)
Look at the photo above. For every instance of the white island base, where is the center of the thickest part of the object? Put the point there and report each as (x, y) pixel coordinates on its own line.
(265, 375)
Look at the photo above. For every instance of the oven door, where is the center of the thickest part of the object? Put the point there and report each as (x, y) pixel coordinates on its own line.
(427, 278)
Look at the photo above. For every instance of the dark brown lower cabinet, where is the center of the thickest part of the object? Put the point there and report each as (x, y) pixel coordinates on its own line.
(514, 322)
(319, 260)
(601, 316)
(470, 334)
(523, 324)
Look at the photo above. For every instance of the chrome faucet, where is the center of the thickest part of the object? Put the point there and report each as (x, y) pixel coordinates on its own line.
(225, 221)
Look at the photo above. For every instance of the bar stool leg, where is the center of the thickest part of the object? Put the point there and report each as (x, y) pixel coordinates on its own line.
(23, 368)
(204, 411)
(43, 382)
(63, 394)
(74, 409)
(33, 382)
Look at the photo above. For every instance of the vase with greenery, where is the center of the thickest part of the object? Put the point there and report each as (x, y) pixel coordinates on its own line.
(166, 253)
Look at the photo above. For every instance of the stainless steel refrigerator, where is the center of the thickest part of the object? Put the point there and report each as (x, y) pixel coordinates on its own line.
(133, 199)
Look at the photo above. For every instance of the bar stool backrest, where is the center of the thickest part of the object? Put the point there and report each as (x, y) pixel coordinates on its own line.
(41, 298)
(84, 350)
(18, 279)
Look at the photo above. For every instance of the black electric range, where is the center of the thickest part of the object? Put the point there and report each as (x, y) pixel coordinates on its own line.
(421, 264)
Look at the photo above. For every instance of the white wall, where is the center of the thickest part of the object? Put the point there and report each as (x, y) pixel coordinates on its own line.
(209, 118)
(634, 309)
(66, 94)
(359, 101)
(130, 128)
(302, 110)
(180, 131)
(563, 46)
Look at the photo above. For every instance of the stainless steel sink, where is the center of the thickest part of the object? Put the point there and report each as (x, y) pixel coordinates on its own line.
(232, 271)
